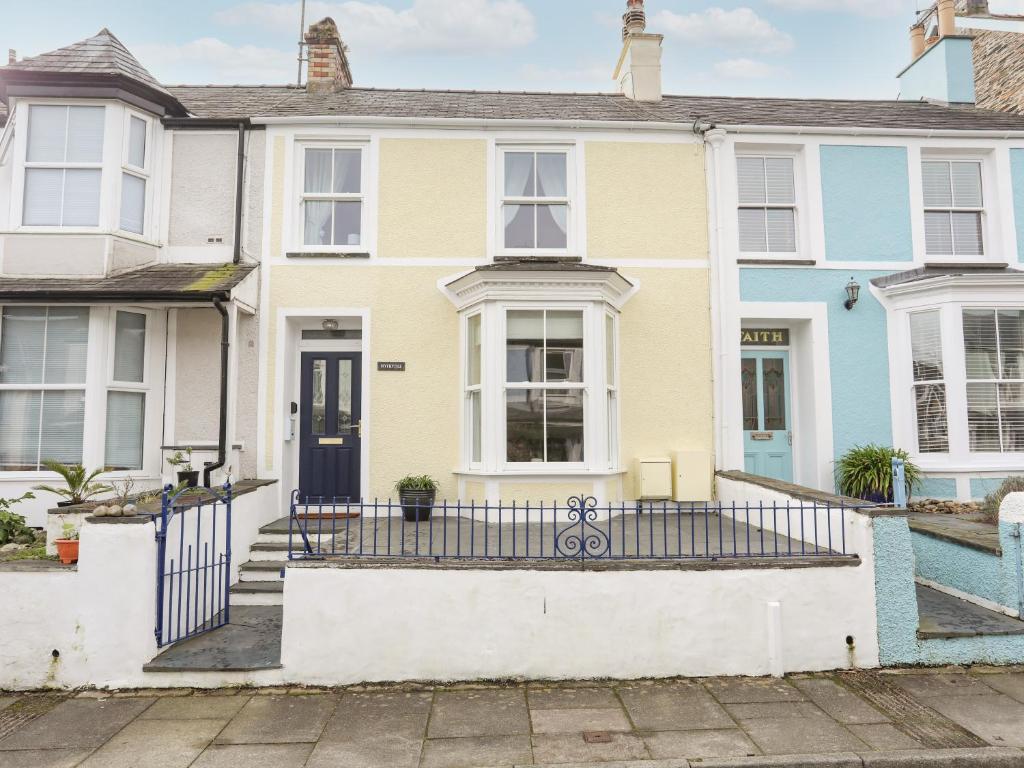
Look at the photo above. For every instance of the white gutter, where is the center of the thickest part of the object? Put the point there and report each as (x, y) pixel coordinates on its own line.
(801, 130)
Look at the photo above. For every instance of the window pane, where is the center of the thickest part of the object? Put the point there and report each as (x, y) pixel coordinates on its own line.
(19, 439)
(1011, 343)
(67, 341)
(781, 230)
(753, 238)
(748, 373)
(519, 176)
(938, 235)
(81, 198)
(926, 346)
(551, 226)
(932, 425)
(967, 239)
(85, 135)
(773, 384)
(779, 185)
(347, 170)
(564, 425)
(751, 180)
(317, 227)
(551, 174)
(62, 427)
(126, 414)
(473, 350)
(609, 349)
(129, 346)
(344, 397)
(347, 222)
(519, 226)
(43, 187)
(1011, 416)
(133, 203)
(937, 190)
(137, 142)
(525, 345)
(475, 426)
(22, 339)
(319, 397)
(980, 344)
(318, 171)
(983, 417)
(47, 131)
(564, 350)
(966, 178)
(613, 426)
(524, 425)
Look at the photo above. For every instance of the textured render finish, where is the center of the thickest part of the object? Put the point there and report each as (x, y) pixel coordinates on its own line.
(945, 72)
(65, 256)
(202, 187)
(936, 488)
(433, 198)
(276, 223)
(962, 568)
(197, 376)
(983, 486)
(866, 198)
(255, 169)
(247, 402)
(860, 372)
(127, 254)
(646, 201)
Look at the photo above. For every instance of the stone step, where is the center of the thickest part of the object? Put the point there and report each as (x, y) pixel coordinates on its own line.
(313, 522)
(258, 593)
(261, 570)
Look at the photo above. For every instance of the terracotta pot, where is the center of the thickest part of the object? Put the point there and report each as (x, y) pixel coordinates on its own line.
(67, 550)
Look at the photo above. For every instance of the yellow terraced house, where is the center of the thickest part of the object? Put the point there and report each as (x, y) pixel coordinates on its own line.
(508, 292)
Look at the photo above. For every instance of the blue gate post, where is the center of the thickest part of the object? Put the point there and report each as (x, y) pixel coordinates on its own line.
(227, 550)
(899, 483)
(161, 554)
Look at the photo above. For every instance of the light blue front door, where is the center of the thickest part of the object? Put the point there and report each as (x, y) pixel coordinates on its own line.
(767, 427)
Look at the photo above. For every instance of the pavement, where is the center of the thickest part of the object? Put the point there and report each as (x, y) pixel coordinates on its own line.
(909, 718)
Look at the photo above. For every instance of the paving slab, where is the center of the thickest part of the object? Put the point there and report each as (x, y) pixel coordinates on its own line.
(578, 720)
(571, 748)
(252, 641)
(362, 724)
(751, 690)
(196, 708)
(778, 710)
(155, 744)
(497, 712)
(996, 718)
(840, 703)
(279, 720)
(978, 757)
(676, 706)
(839, 760)
(77, 724)
(477, 751)
(1010, 683)
(572, 698)
(254, 756)
(795, 736)
(883, 736)
(941, 685)
(671, 763)
(378, 752)
(699, 744)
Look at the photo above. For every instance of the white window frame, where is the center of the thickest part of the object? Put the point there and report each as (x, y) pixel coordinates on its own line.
(991, 241)
(570, 200)
(799, 198)
(141, 387)
(363, 196)
(144, 172)
(469, 441)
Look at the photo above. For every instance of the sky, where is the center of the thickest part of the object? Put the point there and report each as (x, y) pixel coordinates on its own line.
(797, 48)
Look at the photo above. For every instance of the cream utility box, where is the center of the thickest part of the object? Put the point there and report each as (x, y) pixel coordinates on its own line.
(653, 478)
(692, 476)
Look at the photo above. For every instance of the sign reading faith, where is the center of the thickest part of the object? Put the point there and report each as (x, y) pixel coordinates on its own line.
(393, 366)
(764, 337)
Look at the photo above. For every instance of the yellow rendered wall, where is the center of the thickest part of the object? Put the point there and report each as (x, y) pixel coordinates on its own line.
(433, 198)
(646, 200)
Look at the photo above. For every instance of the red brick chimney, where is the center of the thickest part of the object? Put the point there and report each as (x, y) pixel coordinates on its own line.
(328, 64)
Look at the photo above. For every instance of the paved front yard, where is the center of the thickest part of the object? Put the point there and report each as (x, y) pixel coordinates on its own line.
(535, 724)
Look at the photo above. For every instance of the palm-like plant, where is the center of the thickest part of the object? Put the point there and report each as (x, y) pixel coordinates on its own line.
(79, 481)
(865, 472)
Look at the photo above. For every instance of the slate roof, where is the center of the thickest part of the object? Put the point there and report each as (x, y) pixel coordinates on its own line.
(159, 282)
(954, 270)
(236, 101)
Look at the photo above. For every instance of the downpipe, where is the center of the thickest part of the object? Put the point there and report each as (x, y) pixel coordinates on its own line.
(222, 434)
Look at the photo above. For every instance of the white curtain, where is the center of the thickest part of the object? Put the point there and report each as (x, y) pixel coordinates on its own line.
(551, 174)
(519, 176)
(318, 171)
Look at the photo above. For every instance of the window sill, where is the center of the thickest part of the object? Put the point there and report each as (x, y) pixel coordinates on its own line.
(327, 255)
(1006, 462)
(543, 473)
(775, 262)
(958, 262)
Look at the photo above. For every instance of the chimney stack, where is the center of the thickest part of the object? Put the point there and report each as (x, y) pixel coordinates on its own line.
(12, 56)
(328, 70)
(638, 72)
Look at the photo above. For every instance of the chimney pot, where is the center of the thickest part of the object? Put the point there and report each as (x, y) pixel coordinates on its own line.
(634, 20)
(947, 17)
(12, 56)
(917, 45)
(328, 69)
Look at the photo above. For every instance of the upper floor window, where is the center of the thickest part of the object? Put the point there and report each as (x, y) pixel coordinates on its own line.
(332, 197)
(929, 382)
(953, 207)
(134, 175)
(63, 166)
(767, 204)
(994, 357)
(535, 200)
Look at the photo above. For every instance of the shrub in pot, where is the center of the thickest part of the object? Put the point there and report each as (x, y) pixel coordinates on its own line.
(187, 477)
(79, 481)
(865, 472)
(417, 494)
(67, 545)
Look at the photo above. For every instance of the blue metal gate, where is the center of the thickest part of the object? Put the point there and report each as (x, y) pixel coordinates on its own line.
(193, 568)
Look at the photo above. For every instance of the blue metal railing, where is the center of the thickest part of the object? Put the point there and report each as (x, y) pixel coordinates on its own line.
(193, 574)
(578, 530)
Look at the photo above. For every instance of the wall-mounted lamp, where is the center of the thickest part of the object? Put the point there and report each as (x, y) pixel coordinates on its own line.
(852, 293)
(330, 324)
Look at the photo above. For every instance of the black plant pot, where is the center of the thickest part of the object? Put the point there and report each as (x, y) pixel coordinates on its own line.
(68, 503)
(189, 478)
(417, 505)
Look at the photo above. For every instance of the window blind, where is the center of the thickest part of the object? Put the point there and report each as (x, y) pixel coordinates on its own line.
(125, 423)
(137, 142)
(129, 346)
(766, 191)
(133, 203)
(953, 196)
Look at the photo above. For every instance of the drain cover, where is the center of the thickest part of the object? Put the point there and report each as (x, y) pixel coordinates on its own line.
(597, 737)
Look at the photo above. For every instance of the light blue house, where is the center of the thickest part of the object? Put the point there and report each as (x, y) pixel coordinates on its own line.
(869, 281)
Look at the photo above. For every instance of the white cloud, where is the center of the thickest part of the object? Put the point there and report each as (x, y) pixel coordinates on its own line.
(746, 69)
(740, 28)
(209, 60)
(858, 7)
(439, 26)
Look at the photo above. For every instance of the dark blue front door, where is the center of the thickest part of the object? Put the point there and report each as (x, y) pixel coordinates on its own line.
(330, 426)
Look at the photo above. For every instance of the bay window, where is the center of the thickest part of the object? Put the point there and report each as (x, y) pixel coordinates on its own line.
(134, 176)
(929, 383)
(332, 197)
(994, 359)
(535, 200)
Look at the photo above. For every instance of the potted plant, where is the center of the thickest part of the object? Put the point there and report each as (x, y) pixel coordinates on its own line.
(79, 481)
(416, 494)
(187, 477)
(67, 545)
(865, 472)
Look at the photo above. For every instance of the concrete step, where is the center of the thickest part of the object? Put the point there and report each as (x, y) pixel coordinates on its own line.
(261, 570)
(270, 551)
(258, 593)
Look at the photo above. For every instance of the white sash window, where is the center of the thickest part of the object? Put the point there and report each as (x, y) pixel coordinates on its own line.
(954, 207)
(767, 204)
